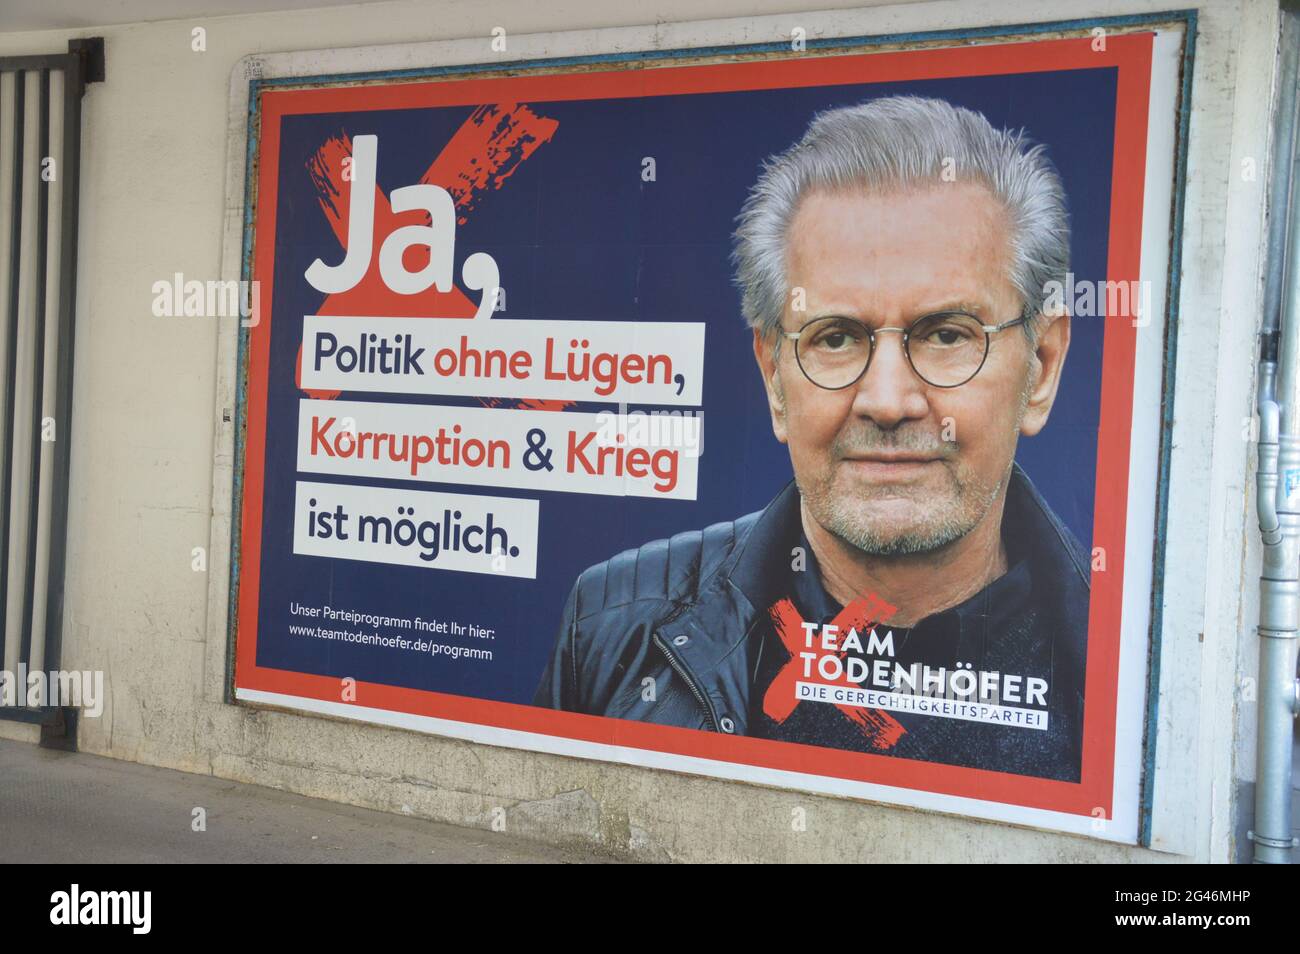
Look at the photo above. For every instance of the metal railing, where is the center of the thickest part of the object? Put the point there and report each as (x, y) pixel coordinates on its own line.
(40, 148)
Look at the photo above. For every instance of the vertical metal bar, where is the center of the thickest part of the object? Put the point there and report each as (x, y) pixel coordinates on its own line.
(8, 212)
(1279, 201)
(47, 394)
(11, 331)
(73, 86)
(38, 372)
(1280, 184)
(20, 489)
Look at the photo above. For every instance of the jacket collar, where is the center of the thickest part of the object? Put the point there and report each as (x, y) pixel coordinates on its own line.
(760, 565)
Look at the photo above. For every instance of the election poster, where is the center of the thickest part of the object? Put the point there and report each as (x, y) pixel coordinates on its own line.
(789, 415)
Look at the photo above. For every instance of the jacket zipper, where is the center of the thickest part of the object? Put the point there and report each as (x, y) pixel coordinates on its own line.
(680, 669)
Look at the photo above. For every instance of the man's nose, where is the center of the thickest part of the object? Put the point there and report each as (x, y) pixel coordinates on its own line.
(890, 391)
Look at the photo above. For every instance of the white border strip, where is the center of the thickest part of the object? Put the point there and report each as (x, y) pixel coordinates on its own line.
(1144, 457)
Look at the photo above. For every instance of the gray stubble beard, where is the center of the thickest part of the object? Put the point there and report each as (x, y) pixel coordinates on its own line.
(960, 513)
(947, 521)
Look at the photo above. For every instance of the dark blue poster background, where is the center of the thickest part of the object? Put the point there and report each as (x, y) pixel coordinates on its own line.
(578, 234)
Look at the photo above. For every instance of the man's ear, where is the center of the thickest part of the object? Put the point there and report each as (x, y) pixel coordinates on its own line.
(1045, 370)
(767, 369)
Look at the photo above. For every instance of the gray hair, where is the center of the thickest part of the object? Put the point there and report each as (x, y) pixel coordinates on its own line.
(898, 142)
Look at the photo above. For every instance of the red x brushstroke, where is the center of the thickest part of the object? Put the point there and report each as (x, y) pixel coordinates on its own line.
(485, 151)
(880, 729)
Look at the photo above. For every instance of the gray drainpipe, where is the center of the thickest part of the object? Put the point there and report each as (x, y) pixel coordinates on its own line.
(1278, 478)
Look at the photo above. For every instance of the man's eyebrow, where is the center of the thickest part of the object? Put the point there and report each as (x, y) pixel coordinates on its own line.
(962, 305)
(832, 313)
(941, 307)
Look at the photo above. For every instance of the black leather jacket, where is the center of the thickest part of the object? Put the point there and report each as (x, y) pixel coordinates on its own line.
(683, 612)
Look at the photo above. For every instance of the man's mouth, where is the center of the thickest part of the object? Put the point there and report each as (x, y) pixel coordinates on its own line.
(887, 466)
(895, 457)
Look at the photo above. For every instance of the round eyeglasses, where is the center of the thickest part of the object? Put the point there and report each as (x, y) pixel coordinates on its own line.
(945, 350)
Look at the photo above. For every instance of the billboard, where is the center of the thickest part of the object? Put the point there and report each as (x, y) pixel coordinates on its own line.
(782, 414)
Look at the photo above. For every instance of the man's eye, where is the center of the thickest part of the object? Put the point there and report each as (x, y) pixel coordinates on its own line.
(835, 340)
(947, 336)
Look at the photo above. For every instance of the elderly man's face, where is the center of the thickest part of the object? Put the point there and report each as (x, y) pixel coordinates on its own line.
(892, 464)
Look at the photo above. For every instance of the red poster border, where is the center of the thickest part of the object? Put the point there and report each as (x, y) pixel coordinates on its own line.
(1129, 54)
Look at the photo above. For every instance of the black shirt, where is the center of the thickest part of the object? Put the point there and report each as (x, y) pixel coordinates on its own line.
(991, 633)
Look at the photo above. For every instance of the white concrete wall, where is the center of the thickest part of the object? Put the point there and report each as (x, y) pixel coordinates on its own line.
(147, 427)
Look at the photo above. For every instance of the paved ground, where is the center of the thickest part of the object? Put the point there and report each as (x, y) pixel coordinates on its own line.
(72, 807)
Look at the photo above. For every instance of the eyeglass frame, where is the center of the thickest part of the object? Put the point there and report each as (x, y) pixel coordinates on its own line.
(989, 331)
